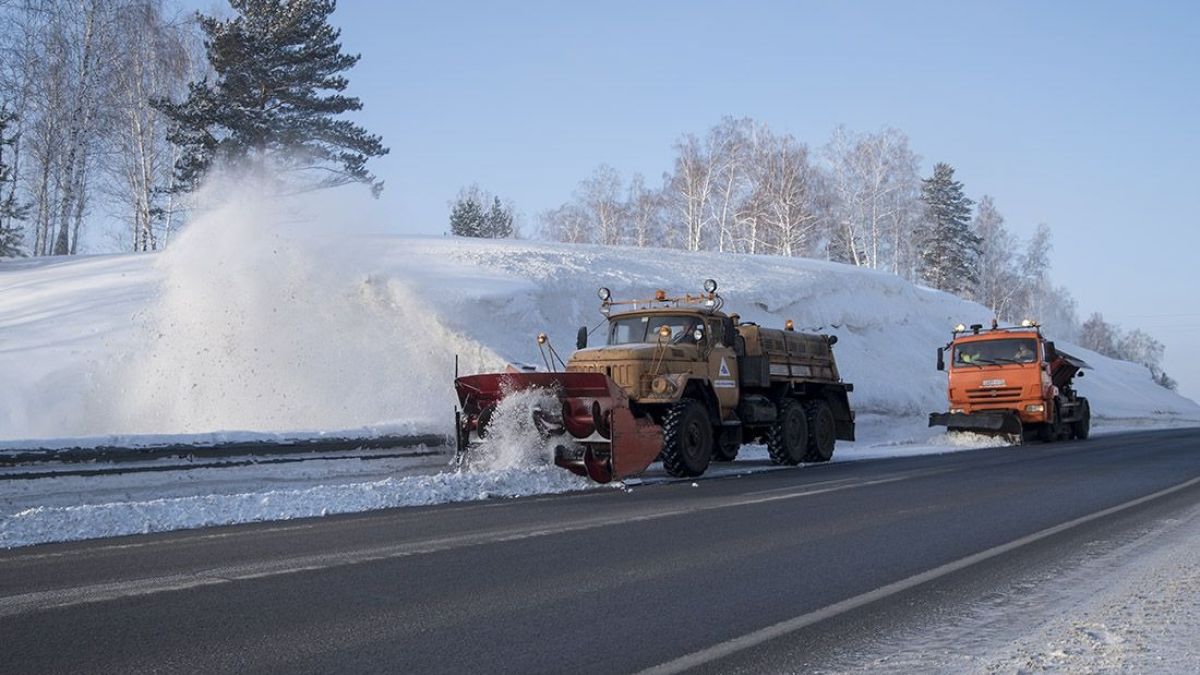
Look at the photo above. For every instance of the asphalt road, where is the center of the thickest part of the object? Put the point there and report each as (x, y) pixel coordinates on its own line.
(782, 570)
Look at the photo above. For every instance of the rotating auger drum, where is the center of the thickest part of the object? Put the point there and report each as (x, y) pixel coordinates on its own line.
(601, 437)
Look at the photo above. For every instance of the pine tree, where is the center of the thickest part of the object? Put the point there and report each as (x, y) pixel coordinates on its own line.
(11, 234)
(467, 218)
(275, 97)
(1099, 335)
(950, 248)
(498, 223)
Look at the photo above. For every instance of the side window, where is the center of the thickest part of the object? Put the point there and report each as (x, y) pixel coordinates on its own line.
(716, 333)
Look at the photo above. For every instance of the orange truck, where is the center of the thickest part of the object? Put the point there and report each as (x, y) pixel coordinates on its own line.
(1012, 382)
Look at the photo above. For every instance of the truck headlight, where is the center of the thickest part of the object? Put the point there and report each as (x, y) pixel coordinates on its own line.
(662, 385)
(1035, 407)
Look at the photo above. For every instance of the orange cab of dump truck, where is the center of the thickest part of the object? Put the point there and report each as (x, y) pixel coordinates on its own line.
(1011, 382)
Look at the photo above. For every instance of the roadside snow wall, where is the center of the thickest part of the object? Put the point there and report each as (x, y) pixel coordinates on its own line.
(261, 319)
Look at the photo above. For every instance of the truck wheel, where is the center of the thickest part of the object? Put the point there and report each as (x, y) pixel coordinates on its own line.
(1082, 427)
(687, 439)
(726, 449)
(787, 441)
(822, 431)
(1050, 431)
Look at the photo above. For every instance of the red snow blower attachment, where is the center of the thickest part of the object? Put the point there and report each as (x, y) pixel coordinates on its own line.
(600, 437)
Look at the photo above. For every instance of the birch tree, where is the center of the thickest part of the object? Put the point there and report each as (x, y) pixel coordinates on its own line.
(874, 185)
(998, 281)
(11, 212)
(690, 190)
(602, 200)
(787, 196)
(154, 62)
(645, 211)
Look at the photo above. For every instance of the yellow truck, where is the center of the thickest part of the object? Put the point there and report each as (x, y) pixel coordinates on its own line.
(677, 379)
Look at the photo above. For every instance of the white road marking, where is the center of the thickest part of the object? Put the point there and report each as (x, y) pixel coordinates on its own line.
(758, 637)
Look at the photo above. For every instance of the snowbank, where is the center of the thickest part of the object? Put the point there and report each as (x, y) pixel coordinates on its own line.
(260, 319)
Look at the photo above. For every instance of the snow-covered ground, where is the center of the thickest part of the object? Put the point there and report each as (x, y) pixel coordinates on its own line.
(73, 507)
(266, 319)
(1127, 606)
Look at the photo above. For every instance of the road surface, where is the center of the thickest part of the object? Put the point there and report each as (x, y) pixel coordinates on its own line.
(776, 571)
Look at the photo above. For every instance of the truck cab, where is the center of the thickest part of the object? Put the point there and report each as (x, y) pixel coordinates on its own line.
(1010, 381)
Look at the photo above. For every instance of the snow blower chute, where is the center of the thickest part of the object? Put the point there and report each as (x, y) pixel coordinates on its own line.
(601, 438)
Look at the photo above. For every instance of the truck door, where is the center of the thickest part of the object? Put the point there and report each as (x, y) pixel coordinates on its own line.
(722, 365)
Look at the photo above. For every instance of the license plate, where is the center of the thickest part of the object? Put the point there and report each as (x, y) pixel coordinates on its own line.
(993, 383)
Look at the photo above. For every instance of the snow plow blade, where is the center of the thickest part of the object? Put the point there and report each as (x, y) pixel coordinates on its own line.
(997, 423)
(601, 437)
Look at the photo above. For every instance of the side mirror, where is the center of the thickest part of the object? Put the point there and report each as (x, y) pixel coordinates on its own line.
(941, 362)
(1051, 352)
(581, 340)
(698, 334)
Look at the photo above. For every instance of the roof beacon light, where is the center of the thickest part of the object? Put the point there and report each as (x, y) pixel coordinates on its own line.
(605, 294)
(960, 328)
(710, 285)
(660, 295)
(788, 325)
(1027, 323)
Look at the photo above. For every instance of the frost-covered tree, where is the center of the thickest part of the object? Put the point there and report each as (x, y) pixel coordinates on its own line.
(568, 223)
(1136, 346)
(690, 190)
(788, 197)
(998, 281)
(275, 99)
(1099, 335)
(477, 213)
(1139, 347)
(950, 250)
(11, 213)
(645, 209)
(155, 59)
(56, 60)
(466, 218)
(874, 183)
(602, 197)
(498, 221)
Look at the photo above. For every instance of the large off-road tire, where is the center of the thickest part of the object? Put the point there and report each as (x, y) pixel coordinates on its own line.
(1082, 427)
(1051, 431)
(822, 431)
(787, 440)
(687, 439)
(726, 448)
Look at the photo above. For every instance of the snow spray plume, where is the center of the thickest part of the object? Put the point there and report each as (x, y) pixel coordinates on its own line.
(513, 440)
(268, 321)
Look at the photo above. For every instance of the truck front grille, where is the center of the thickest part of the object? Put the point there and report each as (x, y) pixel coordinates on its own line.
(994, 394)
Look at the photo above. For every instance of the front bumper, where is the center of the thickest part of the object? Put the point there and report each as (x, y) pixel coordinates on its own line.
(988, 422)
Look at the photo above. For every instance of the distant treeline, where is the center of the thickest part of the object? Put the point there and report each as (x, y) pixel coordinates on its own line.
(858, 199)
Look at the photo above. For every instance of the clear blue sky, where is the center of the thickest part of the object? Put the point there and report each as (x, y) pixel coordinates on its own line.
(1081, 115)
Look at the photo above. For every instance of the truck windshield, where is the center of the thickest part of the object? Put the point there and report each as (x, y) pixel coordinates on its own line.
(642, 329)
(993, 352)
